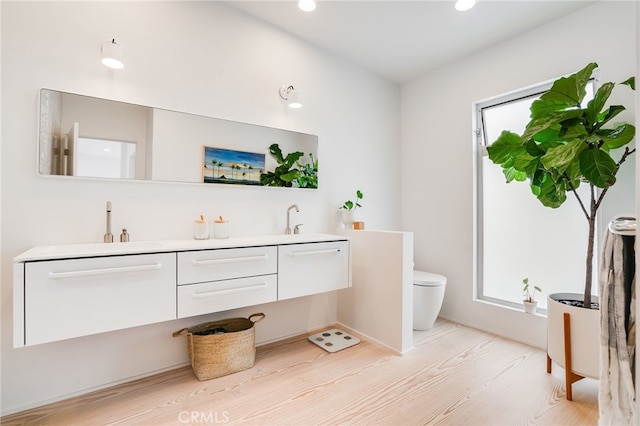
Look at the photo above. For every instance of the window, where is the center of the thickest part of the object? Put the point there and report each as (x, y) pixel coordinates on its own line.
(516, 236)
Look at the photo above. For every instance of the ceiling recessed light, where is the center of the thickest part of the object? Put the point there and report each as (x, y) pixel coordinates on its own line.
(307, 5)
(463, 5)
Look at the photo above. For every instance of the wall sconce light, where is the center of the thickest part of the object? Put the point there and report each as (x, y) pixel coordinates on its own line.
(111, 55)
(307, 5)
(290, 97)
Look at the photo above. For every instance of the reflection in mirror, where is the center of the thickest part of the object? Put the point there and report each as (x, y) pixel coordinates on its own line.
(90, 137)
(105, 158)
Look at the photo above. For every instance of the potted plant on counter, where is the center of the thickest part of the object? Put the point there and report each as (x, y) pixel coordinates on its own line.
(348, 209)
(529, 300)
(567, 144)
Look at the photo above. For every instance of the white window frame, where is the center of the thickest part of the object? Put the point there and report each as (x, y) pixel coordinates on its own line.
(479, 152)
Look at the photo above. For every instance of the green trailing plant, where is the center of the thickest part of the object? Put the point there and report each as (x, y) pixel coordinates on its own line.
(529, 295)
(352, 205)
(566, 144)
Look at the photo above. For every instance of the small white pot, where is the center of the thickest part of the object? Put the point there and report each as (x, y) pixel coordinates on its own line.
(530, 307)
(348, 217)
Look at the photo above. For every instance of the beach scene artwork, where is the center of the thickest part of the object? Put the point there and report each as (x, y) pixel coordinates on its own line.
(229, 166)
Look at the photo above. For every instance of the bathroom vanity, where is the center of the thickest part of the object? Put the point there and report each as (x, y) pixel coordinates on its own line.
(66, 291)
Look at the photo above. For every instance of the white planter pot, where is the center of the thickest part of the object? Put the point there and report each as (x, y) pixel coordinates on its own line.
(348, 217)
(585, 335)
(530, 307)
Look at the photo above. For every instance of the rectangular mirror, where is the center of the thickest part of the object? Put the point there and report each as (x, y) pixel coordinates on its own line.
(83, 136)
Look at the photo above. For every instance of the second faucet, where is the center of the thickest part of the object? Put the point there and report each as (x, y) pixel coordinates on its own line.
(287, 230)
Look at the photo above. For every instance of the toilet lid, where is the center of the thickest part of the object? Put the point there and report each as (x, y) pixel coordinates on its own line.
(428, 279)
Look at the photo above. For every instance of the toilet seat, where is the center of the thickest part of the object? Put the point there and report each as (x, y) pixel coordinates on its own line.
(428, 279)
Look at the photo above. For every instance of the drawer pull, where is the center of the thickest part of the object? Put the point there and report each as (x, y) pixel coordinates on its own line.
(231, 290)
(105, 271)
(228, 260)
(314, 252)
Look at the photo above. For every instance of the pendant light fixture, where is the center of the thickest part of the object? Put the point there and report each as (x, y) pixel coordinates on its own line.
(111, 55)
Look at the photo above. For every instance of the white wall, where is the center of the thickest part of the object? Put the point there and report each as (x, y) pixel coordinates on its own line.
(379, 303)
(437, 138)
(200, 57)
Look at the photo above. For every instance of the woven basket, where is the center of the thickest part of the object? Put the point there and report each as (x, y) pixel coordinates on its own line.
(221, 347)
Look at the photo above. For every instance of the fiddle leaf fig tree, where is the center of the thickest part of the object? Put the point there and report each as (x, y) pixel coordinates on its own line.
(286, 173)
(567, 144)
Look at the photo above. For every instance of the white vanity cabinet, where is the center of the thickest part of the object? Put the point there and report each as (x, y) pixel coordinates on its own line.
(77, 297)
(305, 269)
(218, 280)
(66, 291)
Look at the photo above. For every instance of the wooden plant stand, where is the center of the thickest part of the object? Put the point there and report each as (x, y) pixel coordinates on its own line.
(570, 376)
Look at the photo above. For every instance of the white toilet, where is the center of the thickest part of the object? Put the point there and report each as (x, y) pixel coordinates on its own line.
(428, 294)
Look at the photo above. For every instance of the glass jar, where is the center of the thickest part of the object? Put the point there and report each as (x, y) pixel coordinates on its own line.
(201, 230)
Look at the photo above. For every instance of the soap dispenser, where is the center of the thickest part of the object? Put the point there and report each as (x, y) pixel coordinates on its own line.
(124, 236)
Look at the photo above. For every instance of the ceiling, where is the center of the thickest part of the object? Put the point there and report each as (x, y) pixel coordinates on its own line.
(400, 40)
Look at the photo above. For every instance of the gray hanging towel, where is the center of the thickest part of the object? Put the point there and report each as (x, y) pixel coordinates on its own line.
(616, 398)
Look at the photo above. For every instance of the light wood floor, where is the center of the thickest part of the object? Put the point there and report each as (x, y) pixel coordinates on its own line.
(455, 376)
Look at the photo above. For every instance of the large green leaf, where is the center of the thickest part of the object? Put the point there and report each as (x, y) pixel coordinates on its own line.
(526, 163)
(542, 124)
(546, 146)
(618, 137)
(292, 158)
(537, 180)
(290, 176)
(597, 103)
(551, 134)
(511, 174)
(582, 78)
(597, 167)
(572, 174)
(572, 129)
(571, 89)
(560, 157)
(551, 193)
(534, 149)
(543, 107)
(274, 149)
(606, 115)
(504, 150)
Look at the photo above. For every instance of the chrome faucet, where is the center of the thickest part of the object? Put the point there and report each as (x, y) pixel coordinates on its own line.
(287, 230)
(108, 237)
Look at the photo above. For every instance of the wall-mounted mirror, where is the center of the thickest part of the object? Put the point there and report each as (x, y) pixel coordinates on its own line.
(84, 136)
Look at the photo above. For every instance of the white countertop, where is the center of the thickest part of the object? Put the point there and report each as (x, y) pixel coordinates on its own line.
(66, 251)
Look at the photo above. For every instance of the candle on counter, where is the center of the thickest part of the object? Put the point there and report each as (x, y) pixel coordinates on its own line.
(201, 229)
(220, 228)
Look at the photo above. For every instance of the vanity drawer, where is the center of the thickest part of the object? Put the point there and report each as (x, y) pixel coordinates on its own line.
(204, 298)
(223, 264)
(305, 269)
(78, 297)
